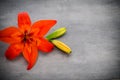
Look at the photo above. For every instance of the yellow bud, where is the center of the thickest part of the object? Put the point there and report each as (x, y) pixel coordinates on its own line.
(60, 45)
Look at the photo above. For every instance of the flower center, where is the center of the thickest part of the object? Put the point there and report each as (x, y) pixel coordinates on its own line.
(27, 37)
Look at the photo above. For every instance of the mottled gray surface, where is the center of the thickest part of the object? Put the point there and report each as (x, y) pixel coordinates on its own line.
(93, 28)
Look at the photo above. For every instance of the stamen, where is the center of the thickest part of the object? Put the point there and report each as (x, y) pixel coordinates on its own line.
(30, 34)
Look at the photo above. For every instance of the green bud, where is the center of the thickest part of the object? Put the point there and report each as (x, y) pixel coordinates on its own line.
(57, 33)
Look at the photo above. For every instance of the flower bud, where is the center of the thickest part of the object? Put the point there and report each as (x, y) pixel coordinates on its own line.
(57, 33)
(60, 45)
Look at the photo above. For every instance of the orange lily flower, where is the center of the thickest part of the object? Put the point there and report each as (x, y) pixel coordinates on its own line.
(27, 38)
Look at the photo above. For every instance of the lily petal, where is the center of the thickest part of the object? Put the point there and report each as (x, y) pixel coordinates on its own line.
(10, 35)
(33, 58)
(44, 45)
(24, 21)
(30, 53)
(13, 51)
(40, 28)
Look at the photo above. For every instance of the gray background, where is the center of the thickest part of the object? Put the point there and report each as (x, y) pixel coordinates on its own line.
(93, 28)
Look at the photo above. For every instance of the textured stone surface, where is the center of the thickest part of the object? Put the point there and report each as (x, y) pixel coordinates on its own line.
(93, 28)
